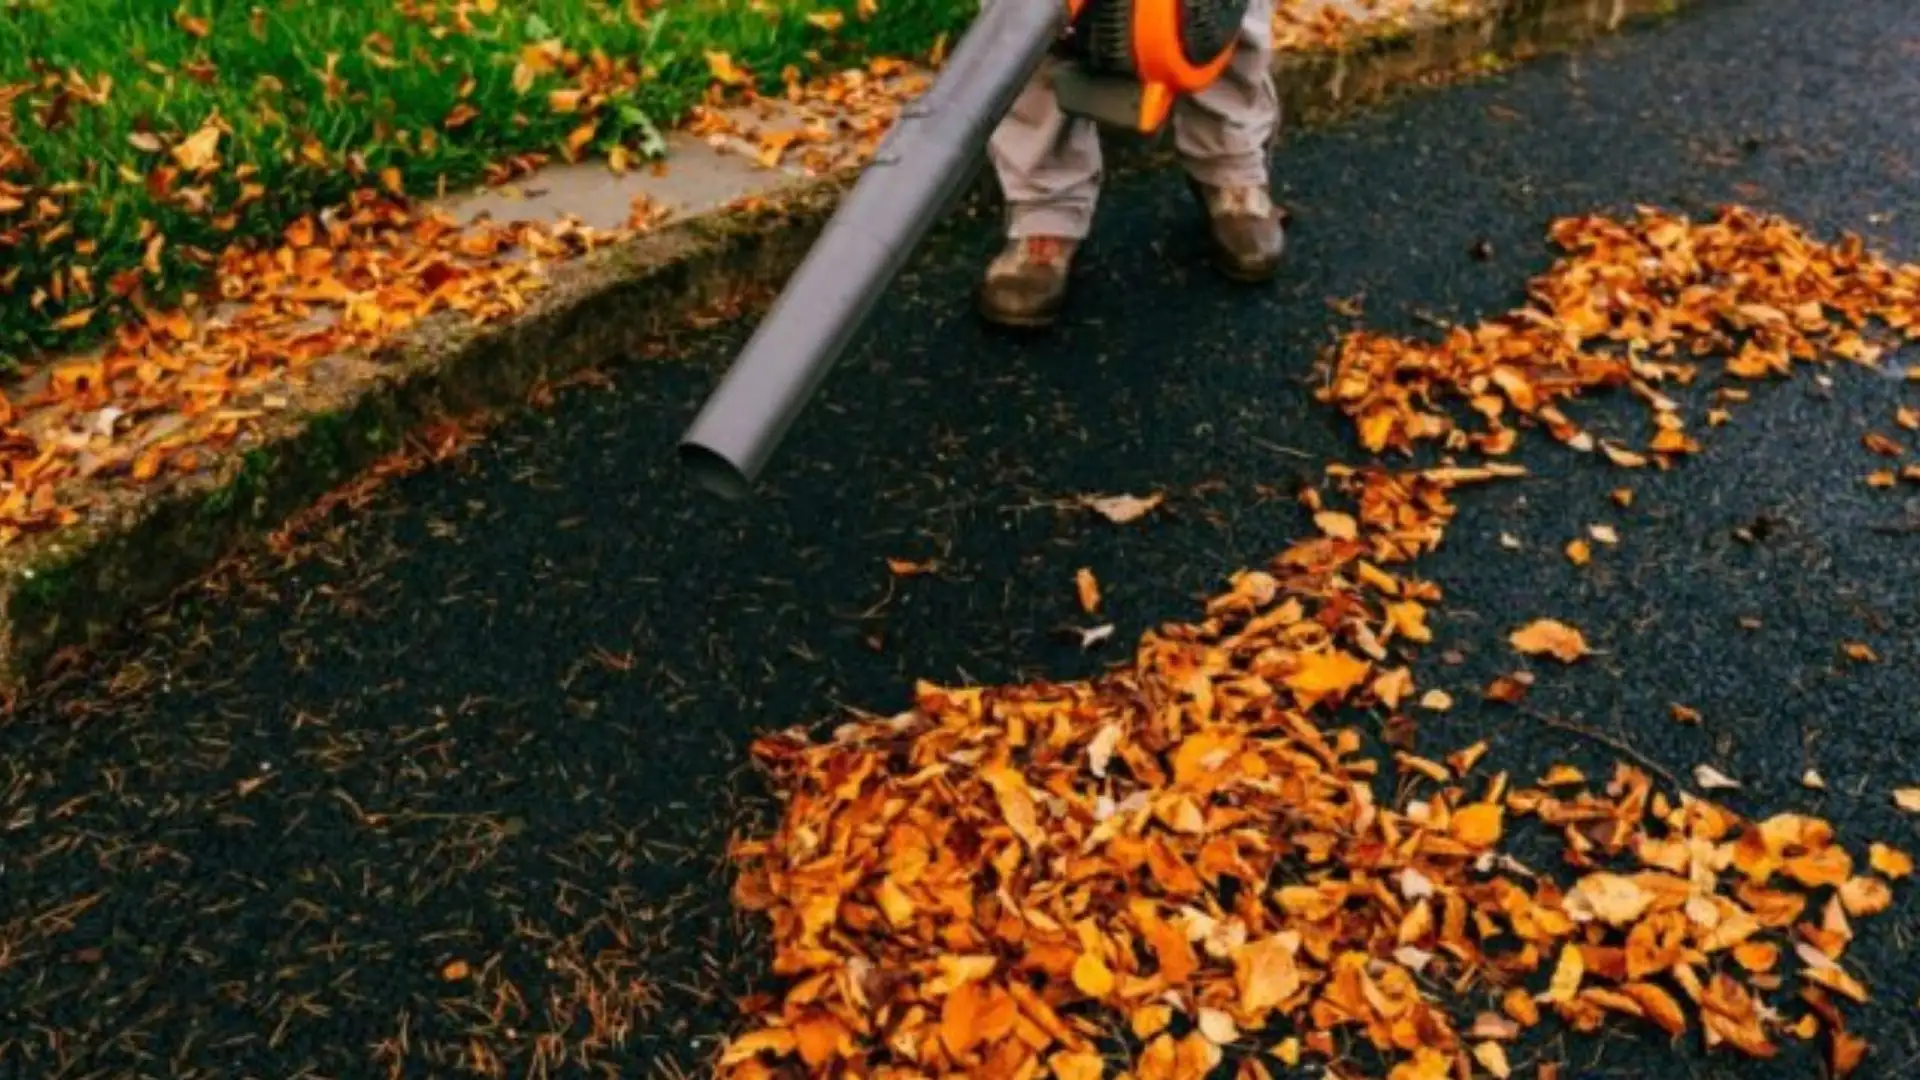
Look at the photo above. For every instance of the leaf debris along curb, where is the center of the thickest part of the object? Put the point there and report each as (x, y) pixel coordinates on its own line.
(80, 586)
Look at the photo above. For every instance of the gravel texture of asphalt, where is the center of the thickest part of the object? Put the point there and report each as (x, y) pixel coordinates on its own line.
(450, 794)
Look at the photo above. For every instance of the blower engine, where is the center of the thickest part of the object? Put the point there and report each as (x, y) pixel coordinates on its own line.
(1121, 63)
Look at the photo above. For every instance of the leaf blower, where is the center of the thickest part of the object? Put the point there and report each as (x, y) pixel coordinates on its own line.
(1120, 63)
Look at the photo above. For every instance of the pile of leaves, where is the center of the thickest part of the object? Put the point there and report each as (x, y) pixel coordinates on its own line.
(1634, 304)
(1190, 859)
(168, 390)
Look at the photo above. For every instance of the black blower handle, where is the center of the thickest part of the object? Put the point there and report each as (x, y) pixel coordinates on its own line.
(919, 169)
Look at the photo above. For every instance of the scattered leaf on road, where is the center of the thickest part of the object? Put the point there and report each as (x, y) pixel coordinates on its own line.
(1550, 637)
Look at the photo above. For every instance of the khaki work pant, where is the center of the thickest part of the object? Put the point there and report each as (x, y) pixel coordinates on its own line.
(1049, 163)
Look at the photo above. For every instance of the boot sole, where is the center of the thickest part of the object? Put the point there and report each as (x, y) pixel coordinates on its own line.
(1039, 320)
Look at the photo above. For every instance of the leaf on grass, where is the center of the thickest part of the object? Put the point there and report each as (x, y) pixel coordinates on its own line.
(199, 151)
(1550, 637)
(721, 66)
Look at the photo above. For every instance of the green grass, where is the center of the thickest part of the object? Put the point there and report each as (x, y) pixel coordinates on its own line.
(81, 192)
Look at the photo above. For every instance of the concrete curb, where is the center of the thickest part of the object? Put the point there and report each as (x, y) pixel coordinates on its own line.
(80, 587)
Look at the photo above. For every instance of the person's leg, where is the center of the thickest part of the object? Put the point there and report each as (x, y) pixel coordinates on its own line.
(1224, 136)
(1048, 165)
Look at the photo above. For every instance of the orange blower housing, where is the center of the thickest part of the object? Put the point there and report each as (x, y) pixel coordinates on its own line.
(1166, 48)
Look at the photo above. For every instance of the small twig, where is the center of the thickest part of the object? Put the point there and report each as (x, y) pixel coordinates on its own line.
(1606, 740)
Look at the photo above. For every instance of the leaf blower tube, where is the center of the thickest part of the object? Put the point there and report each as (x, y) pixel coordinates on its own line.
(923, 164)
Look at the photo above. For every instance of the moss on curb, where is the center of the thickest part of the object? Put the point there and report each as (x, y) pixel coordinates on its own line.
(82, 586)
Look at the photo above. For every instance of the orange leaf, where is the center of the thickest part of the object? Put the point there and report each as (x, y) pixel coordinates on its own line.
(1478, 825)
(1322, 674)
(1091, 976)
(1551, 638)
(1089, 590)
(1076, 1065)
(1891, 862)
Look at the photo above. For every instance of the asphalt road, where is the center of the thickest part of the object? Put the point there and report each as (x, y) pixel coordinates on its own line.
(454, 788)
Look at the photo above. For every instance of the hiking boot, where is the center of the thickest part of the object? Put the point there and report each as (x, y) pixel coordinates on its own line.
(1247, 232)
(1026, 285)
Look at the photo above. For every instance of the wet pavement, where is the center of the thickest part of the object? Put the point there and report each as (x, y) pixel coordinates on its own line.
(451, 793)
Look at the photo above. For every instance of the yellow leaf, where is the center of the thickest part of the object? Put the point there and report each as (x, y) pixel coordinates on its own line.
(1908, 799)
(1075, 1065)
(74, 320)
(565, 101)
(1478, 825)
(1493, 1058)
(722, 68)
(579, 137)
(1337, 525)
(829, 21)
(1567, 975)
(201, 150)
(1552, 638)
(1092, 976)
(1330, 672)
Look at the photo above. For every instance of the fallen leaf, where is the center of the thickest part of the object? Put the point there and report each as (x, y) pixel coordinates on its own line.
(1076, 1065)
(1907, 799)
(1493, 1058)
(200, 150)
(1327, 673)
(455, 971)
(1092, 977)
(1610, 898)
(1478, 825)
(1551, 638)
(1089, 590)
(1865, 895)
(1712, 779)
(1337, 525)
(721, 66)
(1889, 861)
(1579, 553)
(1124, 509)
